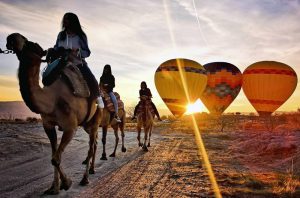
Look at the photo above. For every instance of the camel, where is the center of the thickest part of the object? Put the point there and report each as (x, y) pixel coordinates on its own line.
(145, 119)
(57, 108)
(108, 120)
(105, 122)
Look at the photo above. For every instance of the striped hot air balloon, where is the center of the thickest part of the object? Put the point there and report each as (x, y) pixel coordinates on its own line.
(268, 84)
(179, 82)
(224, 82)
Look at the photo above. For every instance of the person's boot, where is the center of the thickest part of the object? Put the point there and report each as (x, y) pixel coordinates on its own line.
(117, 118)
(99, 102)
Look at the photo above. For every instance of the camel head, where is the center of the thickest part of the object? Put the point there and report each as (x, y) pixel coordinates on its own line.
(15, 42)
(20, 45)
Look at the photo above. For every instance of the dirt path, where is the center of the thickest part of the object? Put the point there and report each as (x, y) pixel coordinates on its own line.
(25, 154)
(170, 169)
(245, 164)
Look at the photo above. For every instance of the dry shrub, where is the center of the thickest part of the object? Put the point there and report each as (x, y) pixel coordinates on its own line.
(284, 127)
(287, 183)
(18, 120)
(250, 125)
(31, 119)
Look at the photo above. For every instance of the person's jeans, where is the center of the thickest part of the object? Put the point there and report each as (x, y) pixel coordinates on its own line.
(114, 100)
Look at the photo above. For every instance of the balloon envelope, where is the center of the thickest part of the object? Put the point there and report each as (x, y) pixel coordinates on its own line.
(268, 84)
(224, 82)
(179, 82)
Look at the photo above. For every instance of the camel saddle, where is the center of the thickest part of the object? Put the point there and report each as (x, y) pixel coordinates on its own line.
(109, 104)
(71, 73)
(76, 81)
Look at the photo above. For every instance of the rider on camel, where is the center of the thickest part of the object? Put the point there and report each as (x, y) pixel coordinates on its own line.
(145, 91)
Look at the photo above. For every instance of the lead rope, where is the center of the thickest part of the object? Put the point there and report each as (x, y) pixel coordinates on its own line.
(6, 51)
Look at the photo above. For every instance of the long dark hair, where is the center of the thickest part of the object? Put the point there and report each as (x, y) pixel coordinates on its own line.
(108, 68)
(106, 75)
(74, 26)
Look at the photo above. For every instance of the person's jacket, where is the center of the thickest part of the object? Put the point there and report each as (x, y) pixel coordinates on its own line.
(145, 92)
(73, 42)
(107, 82)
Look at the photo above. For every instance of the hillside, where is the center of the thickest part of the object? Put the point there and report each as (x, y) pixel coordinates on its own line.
(15, 109)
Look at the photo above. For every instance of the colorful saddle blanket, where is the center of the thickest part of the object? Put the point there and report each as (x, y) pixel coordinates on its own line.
(109, 104)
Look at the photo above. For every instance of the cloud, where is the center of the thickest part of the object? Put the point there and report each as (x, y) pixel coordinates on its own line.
(134, 36)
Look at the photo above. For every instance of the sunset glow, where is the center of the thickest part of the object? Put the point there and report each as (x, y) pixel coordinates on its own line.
(195, 107)
(185, 29)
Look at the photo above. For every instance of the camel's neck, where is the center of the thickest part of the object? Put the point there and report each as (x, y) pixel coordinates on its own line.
(149, 114)
(146, 115)
(33, 95)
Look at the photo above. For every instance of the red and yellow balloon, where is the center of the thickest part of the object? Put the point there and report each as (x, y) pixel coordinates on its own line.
(224, 82)
(179, 82)
(268, 84)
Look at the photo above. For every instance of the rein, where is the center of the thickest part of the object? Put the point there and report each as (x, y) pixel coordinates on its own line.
(30, 45)
(6, 51)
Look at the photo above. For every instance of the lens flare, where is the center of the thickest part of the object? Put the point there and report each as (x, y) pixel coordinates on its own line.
(199, 141)
(195, 108)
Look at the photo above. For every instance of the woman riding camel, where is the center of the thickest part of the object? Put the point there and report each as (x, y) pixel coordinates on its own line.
(72, 38)
(145, 91)
(107, 83)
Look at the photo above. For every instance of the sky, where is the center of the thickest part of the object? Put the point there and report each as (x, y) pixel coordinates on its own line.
(136, 36)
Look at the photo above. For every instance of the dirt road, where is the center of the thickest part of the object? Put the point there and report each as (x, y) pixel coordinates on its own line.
(170, 168)
(245, 164)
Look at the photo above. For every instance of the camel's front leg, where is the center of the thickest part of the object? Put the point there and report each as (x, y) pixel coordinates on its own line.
(123, 136)
(51, 133)
(104, 134)
(92, 168)
(116, 140)
(146, 130)
(92, 151)
(139, 129)
(56, 159)
(150, 133)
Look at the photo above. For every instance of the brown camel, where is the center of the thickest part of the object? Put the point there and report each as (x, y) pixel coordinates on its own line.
(145, 119)
(57, 108)
(107, 120)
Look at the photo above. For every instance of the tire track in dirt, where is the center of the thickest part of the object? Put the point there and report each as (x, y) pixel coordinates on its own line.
(170, 169)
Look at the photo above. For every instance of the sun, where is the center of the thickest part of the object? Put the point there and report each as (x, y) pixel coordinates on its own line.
(194, 108)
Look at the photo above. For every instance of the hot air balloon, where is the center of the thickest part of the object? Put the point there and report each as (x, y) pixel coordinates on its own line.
(224, 82)
(179, 82)
(268, 84)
